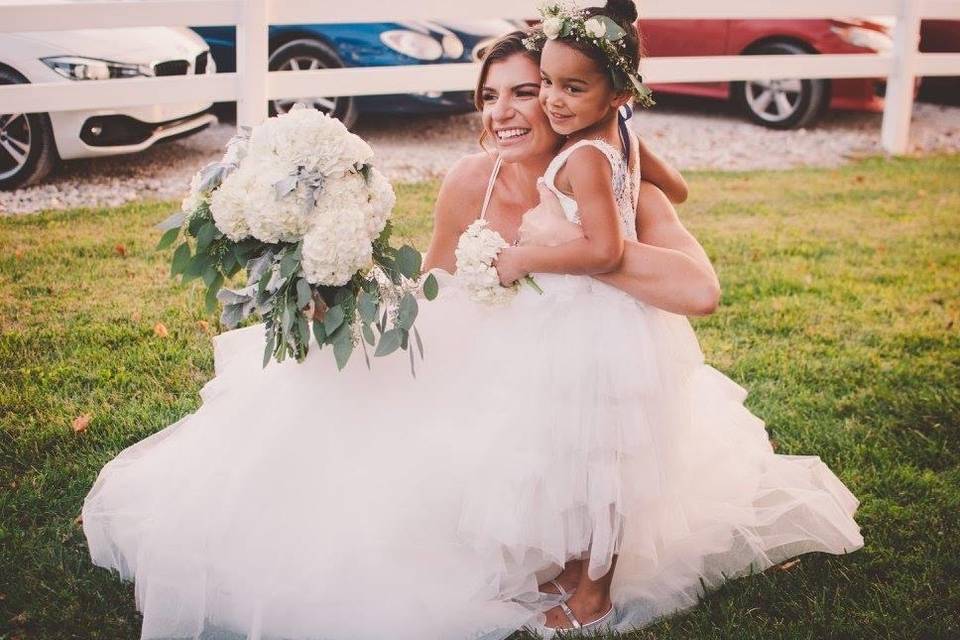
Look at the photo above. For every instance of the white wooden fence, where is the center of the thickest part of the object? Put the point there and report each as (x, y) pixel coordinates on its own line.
(252, 85)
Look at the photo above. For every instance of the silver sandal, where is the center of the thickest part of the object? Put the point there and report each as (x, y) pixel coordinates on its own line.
(563, 593)
(576, 625)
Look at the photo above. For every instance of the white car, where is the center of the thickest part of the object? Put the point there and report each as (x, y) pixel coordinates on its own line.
(32, 144)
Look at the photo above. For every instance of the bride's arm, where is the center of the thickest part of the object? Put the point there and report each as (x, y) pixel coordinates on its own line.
(667, 268)
(458, 204)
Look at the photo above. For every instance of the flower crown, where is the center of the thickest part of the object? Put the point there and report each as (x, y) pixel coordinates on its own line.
(567, 21)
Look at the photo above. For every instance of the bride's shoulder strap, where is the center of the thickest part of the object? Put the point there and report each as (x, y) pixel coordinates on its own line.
(493, 180)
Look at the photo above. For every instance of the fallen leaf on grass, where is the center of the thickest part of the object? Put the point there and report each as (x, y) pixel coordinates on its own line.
(136, 316)
(80, 423)
(120, 250)
(786, 566)
(160, 330)
(18, 254)
(78, 520)
(203, 325)
(19, 619)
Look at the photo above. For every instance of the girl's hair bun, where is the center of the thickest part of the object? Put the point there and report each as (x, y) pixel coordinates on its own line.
(622, 11)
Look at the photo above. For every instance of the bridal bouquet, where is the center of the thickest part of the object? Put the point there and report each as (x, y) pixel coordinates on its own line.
(477, 248)
(297, 204)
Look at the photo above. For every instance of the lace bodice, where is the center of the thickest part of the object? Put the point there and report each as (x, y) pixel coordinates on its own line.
(625, 184)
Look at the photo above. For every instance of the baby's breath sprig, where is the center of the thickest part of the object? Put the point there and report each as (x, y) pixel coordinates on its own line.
(566, 20)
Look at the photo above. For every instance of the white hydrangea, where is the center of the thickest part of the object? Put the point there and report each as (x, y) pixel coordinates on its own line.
(317, 157)
(476, 250)
(311, 138)
(336, 247)
(228, 204)
(382, 199)
(273, 219)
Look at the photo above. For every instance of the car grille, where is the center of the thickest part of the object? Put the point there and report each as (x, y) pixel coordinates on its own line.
(200, 65)
(171, 68)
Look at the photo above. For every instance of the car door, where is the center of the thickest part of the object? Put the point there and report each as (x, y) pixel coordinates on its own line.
(681, 38)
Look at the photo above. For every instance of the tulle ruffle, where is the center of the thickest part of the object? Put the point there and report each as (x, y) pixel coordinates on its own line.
(302, 502)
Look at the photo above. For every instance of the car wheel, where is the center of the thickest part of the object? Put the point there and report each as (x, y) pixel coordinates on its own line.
(301, 55)
(781, 103)
(27, 149)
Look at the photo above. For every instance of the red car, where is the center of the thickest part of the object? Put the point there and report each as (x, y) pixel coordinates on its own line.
(776, 103)
(940, 36)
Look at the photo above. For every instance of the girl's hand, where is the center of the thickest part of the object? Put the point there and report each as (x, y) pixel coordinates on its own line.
(509, 265)
(545, 225)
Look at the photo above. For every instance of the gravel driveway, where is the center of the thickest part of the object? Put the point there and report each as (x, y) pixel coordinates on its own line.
(693, 134)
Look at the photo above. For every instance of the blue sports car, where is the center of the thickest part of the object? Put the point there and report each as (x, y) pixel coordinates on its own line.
(321, 46)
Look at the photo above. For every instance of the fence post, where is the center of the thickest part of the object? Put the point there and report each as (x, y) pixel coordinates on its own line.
(252, 55)
(898, 101)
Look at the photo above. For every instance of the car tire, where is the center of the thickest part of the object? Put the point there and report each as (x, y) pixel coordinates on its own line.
(781, 104)
(305, 54)
(28, 152)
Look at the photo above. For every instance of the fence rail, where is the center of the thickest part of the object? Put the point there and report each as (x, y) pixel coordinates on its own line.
(253, 85)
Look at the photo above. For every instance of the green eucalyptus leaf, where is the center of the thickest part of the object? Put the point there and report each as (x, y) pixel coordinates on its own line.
(197, 265)
(368, 334)
(389, 342)
(205, 236)
(168, 237)
(333, 319)
(367, 307)
(409, 261)
(287, 319)
(343, 347)
(319, 333)
(268, 348)
(614, 31)
(303, 332)
(173, 221)
(289, 264)
(407, 311)
(210, 274)
(431, 287)
(181, 258)
(303, 293)
(213, 288)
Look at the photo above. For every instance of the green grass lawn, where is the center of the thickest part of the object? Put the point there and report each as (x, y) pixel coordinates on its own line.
(840, 314)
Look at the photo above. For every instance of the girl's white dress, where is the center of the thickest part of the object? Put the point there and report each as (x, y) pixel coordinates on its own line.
(304, 503)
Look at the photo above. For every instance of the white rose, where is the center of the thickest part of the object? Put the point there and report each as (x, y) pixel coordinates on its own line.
(595, 28)
(552, 27)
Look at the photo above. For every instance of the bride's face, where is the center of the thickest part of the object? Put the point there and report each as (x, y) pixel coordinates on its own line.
(511, 112)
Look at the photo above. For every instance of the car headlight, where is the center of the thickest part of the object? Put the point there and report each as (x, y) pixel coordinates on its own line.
(413, 44)
(865, 38)
(452, 46)
(76, 68)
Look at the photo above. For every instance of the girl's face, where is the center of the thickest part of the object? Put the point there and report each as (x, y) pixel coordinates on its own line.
(511, 112)
(575, 92)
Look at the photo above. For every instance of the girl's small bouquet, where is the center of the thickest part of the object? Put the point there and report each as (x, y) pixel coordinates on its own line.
(297, 204)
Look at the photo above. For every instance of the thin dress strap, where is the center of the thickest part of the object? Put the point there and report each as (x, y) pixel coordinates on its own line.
(493, 179)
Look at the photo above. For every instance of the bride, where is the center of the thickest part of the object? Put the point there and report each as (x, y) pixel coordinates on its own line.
(299, 502)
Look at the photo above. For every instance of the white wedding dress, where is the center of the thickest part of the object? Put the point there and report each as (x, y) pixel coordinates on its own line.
(299, 502)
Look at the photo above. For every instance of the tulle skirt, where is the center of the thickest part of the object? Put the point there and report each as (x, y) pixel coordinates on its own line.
(301, 502)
